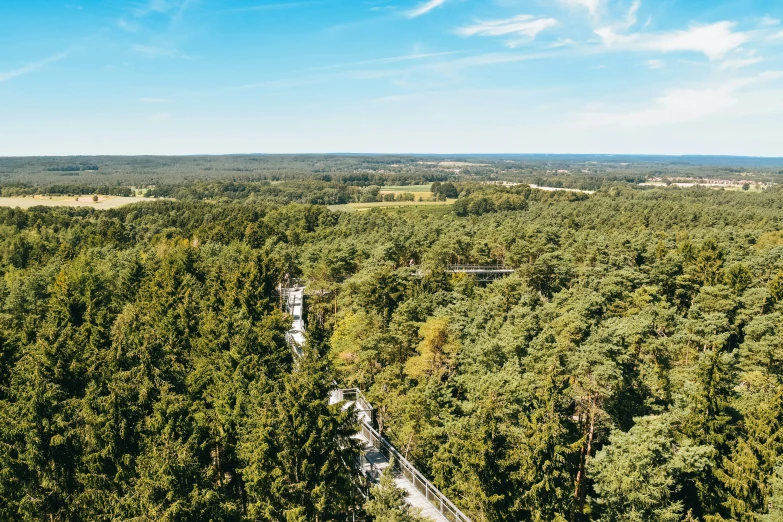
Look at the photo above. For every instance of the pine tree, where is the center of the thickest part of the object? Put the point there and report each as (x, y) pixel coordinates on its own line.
(387, 501)
(299, 454)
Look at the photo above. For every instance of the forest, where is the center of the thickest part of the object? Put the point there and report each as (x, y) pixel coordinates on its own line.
(631, 368)
(199, 177)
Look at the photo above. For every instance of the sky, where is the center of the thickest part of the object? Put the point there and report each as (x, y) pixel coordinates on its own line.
(391, 76)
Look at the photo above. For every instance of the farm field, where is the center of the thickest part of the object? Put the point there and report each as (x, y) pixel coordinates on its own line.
(104, 202)
(414, 189)
(753, 188)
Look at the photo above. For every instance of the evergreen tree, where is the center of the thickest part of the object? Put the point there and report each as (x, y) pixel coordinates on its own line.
(387, 501)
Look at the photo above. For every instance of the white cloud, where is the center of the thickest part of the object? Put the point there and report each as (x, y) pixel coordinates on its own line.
(733, 65)
(390, 59)
(591, 5)
(631, 19)
(777, 36)
(561, 42)
(31, 67)
(426, 7)
(714, 40)
(525, 25)
(153, 6)
(769, 21)
(655, 64)
(269, 7)
(158, 52)
(679, 105)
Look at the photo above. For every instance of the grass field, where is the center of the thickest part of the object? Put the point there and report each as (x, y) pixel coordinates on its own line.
(358, 207)
(104, 202)
(399, 189)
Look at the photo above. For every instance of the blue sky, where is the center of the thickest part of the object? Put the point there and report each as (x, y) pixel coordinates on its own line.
(423, 76)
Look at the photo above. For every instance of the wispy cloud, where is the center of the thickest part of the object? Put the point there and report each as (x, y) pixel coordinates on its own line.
(181, 9)
(777, 36)
(524, 25)
(174, 9)
(734, 65)
(714, 40)
(153, 6)
(32, 66)
(593, 6)
(271, 7)
(153, 51)
(655, 64)
(679, 105)
(768, 21)
(561, 42)
(426, 7)
(440, 69)
(630, 19)
(154, 100)
(496, 58)
(390, 59)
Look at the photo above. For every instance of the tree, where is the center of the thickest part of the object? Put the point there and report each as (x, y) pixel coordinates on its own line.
(299, 453)
(436, 351)
(448, 190)
(638, 475)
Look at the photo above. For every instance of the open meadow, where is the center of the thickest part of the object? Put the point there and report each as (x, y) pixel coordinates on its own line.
(104, 202)
(401, 189)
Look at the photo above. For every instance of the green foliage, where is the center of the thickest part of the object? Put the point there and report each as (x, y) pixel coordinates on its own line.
(639, 474)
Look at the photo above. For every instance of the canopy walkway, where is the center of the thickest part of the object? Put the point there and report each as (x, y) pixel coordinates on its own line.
(377, 451)
(293, 299)
(483, 273)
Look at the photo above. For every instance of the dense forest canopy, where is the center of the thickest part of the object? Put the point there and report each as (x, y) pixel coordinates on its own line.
(630, 369)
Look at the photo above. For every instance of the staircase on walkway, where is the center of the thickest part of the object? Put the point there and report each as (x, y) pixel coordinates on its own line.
(378, 452)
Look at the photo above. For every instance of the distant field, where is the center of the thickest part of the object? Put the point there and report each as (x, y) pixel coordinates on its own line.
(357, 207)
(405, 188)
(753, 188)
(104, 202)
(452, 164)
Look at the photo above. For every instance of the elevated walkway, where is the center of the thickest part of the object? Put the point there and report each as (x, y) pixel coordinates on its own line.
(293, 299)
(378, 452)
(483, 273)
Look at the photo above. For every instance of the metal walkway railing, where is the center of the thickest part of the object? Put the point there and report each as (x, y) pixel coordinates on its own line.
(409, 471)
(481, 268)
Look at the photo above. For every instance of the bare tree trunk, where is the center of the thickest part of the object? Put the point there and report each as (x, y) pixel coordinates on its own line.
(588, 455)
(580, 491)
